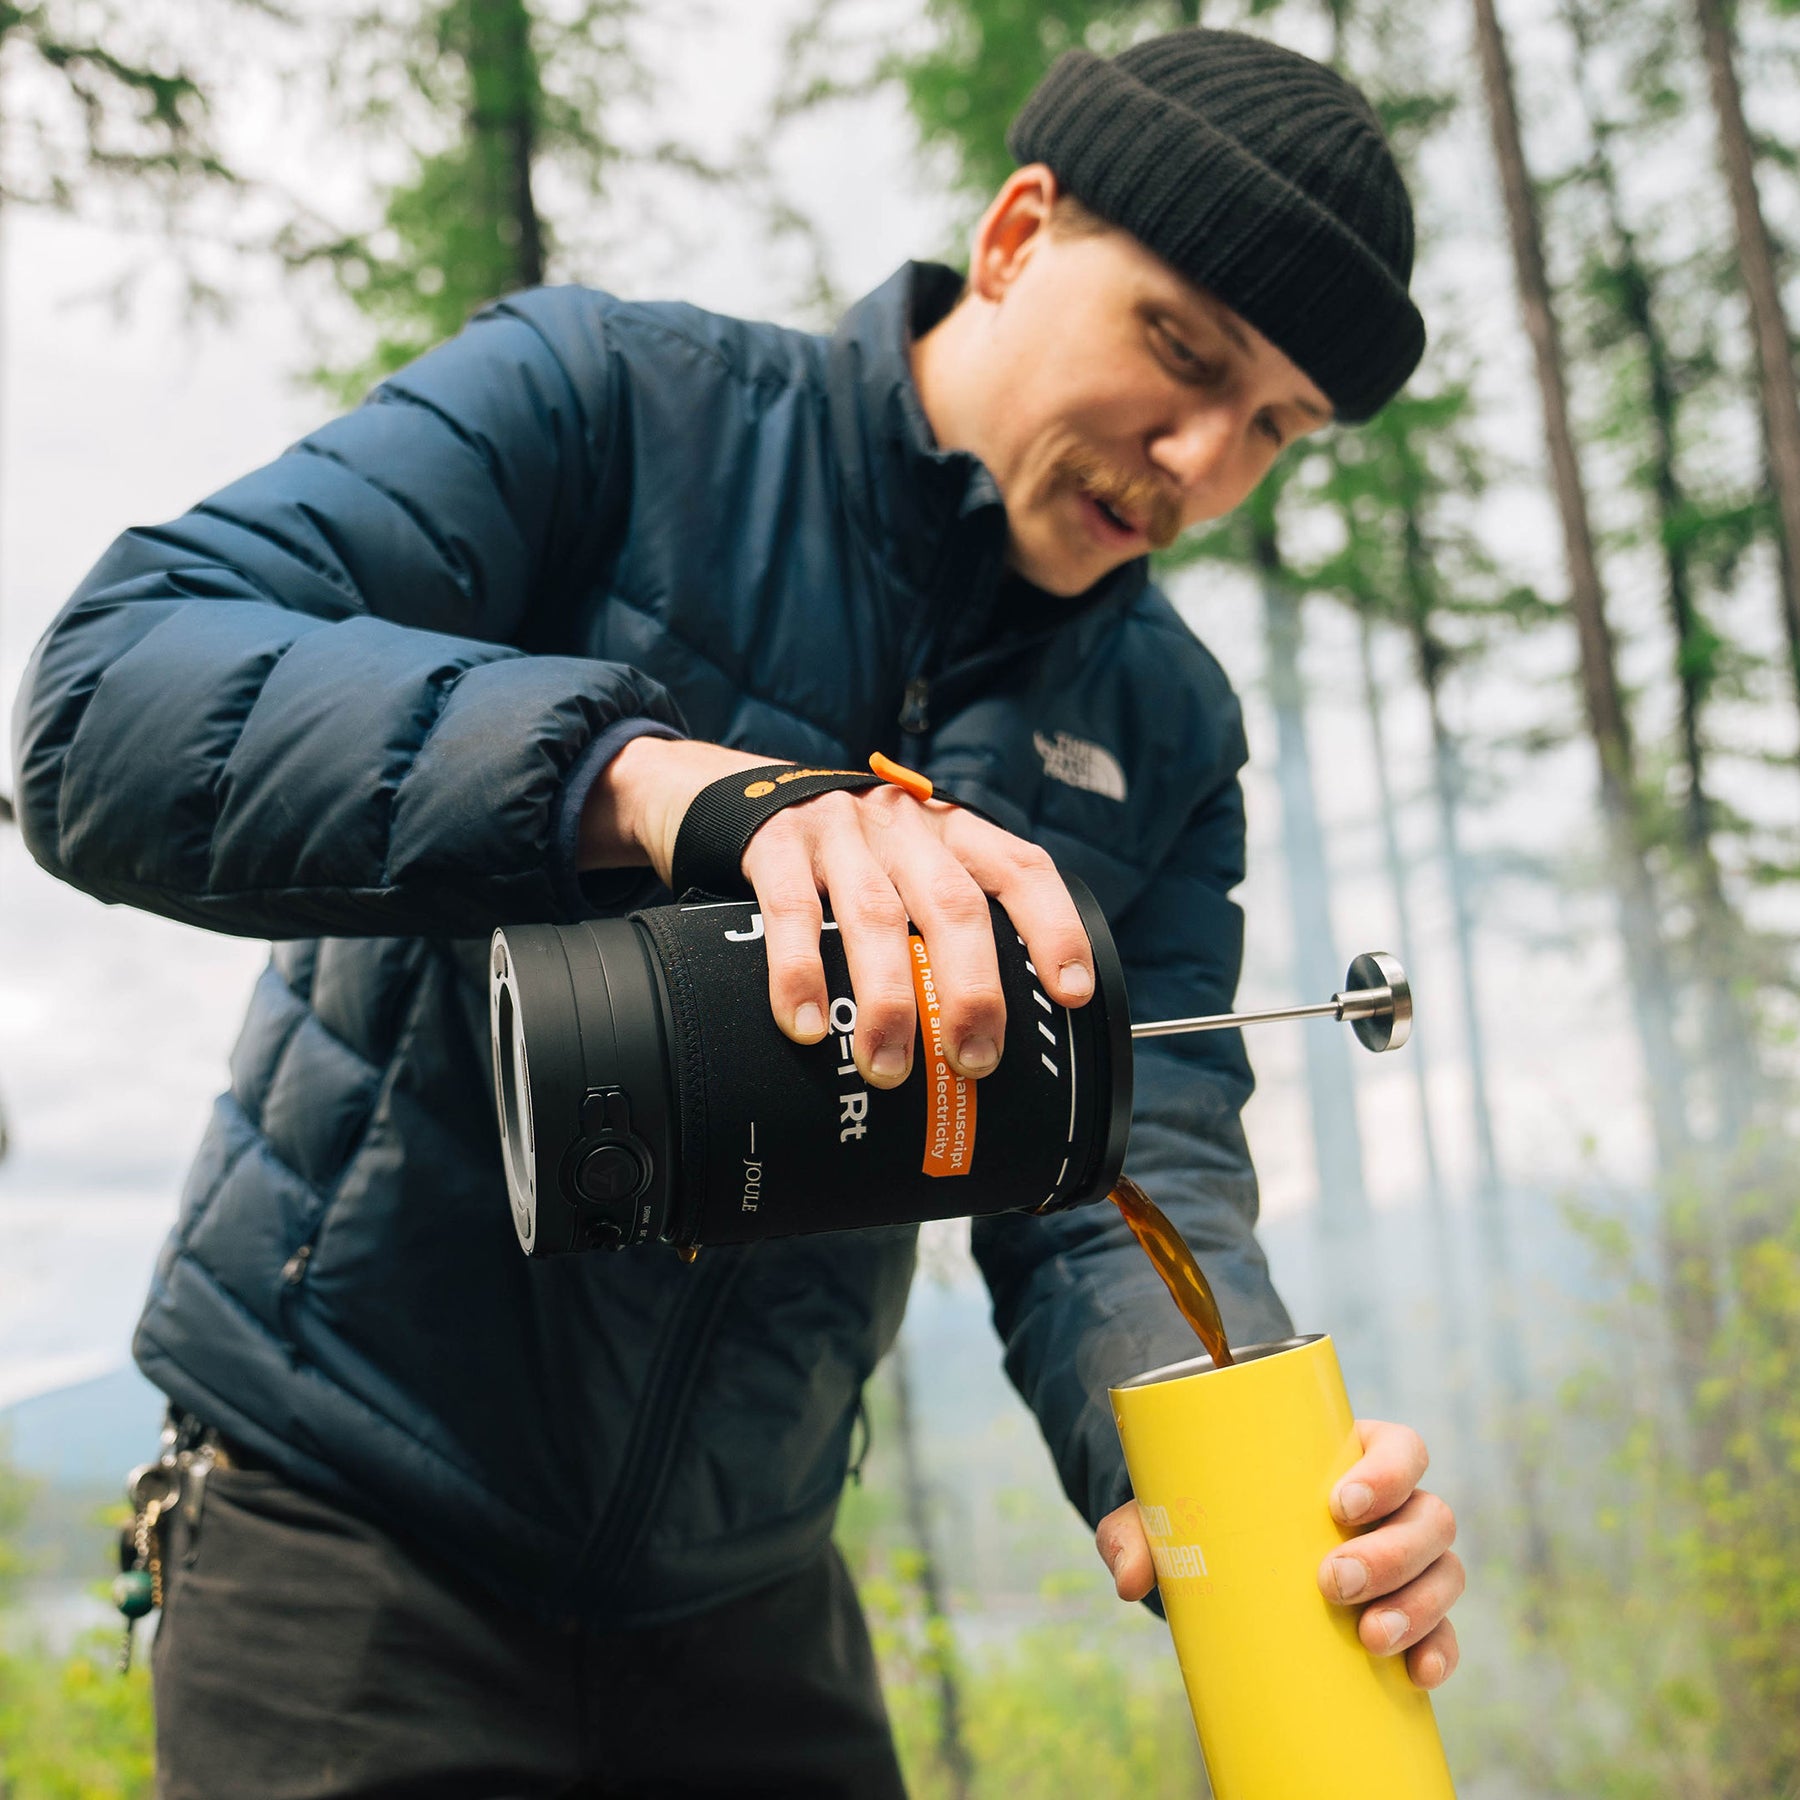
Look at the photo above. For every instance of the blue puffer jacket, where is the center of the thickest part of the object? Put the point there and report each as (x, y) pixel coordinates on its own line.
(347, 704)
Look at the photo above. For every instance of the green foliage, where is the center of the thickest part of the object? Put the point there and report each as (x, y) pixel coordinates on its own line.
(1062, 1713)
(467, 86)
(1645, 307)
(987, 55)
(513, 117)
(72, 1728)
(106, 109)
(1081, 1696)
(100, 96)
(15, 1502)
(1674, 1619)
(1075, 1705)
(965, 72)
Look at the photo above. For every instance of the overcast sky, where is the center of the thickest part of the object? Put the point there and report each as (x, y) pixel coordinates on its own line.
(114, 1024)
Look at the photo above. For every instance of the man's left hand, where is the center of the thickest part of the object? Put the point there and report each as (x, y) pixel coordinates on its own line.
(1401, 1572)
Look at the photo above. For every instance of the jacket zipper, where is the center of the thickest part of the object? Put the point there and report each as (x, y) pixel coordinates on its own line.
(293, 1276)
(915, 711)
(656, 1432)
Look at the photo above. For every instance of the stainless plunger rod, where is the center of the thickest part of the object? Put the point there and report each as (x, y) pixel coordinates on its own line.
(1224, 1021)
(1376, 1003)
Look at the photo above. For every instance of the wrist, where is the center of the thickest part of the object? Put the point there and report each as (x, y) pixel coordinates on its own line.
(637, 802)
(612, 833)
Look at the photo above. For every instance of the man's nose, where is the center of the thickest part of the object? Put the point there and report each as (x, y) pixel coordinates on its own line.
(1194, 450)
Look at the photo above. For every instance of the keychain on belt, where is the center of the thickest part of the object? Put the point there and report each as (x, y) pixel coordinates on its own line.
(154, 1490)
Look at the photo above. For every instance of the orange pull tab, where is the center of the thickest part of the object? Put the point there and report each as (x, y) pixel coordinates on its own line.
(919, 786)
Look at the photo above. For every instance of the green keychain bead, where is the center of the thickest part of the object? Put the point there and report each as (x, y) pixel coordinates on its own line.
(131, 1593)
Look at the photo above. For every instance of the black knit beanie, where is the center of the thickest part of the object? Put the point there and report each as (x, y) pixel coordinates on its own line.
(1261, 176)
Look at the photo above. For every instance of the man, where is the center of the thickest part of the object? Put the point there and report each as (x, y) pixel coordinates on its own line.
(479, 1525)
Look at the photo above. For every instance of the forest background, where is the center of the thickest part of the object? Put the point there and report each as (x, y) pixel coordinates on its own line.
(1521, 664)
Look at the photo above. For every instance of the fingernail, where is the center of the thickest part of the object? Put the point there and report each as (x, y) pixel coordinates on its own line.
(809, 1022)
(1350, 1574)
(977, 1055)
(889, 1062)
(1431, 1668)
(1076, 981)
(1393, 1626)
(1353, 1500)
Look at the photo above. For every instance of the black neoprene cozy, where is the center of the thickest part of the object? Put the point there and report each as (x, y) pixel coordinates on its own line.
(1260, 175)
(644, 1091)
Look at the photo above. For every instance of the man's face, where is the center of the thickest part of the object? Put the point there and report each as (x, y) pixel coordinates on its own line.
(1114, 402)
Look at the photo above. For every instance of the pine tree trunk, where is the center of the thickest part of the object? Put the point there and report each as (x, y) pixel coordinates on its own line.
(502, 126)
(1731, 1053)
(1453, 1372)
(1401, 887)
(1499, 1313)
(953, 1751)
(1446, 784)
(1779, 390)
(1640, 926)
(1344, 1216)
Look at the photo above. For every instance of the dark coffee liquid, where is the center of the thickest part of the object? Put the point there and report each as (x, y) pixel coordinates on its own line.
(1174, 1262)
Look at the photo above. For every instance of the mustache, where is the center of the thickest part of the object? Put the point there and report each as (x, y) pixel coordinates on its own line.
(1139, 498)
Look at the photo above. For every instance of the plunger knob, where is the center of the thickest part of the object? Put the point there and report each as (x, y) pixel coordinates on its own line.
(1377, 1001)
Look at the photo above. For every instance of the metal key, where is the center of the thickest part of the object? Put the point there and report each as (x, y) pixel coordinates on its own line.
(151, 1489)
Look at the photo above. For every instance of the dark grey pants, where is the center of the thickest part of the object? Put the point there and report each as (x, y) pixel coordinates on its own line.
(304, 1653)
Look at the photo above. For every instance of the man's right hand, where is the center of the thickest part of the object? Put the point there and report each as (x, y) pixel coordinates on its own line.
(880, 858)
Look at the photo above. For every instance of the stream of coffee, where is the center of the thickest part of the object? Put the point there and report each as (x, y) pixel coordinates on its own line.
(1174, 1262)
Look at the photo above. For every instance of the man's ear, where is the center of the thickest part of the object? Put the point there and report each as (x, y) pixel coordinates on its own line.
(1011, 229)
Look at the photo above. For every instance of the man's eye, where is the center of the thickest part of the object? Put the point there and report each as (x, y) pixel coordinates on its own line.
(1183, 360)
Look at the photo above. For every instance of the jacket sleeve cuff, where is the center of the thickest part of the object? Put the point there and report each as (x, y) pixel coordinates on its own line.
(586, 892)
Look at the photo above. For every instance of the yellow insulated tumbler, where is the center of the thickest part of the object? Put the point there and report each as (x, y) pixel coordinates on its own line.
(1233, 1469)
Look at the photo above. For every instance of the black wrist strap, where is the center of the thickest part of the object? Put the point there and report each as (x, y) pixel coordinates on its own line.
(717, 828)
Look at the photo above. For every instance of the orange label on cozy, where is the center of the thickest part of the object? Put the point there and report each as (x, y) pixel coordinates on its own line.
(949, 1097)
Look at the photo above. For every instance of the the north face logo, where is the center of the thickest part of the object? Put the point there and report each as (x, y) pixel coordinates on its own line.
(1077, 763)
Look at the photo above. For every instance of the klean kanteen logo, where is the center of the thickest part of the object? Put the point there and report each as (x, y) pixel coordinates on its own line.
(1078, 764)
(949, 1097)
(1174, 1562)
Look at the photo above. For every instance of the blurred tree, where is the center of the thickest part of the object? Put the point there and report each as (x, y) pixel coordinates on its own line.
(1391, 492)
(1675, 1615)
(1647, 965)
(1406, 940)
(1682, 1235)
(1779, 387)
(1406, 555)
(498, 104)
(1250, 537)
(101, 100)
(1376, 486)
(1628, 299)
(490, 92)
(967, 73)
(1400, 490)
(987, 55)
